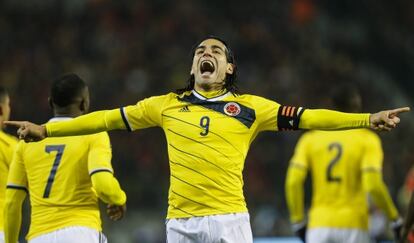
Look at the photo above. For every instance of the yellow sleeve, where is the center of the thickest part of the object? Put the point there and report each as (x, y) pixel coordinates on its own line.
(146, 113)
(94, 122)
(374, 185)
(17, 177)
(372, 175)
(12, 141)
(108, 188)
(295, 178)
(321, 119)
(100, 153)
(13, 214)
(266, 113)
(99, 165)
(15, 195)
(373, 155)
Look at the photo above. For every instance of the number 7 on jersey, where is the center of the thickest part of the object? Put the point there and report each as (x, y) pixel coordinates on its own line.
(59, 151)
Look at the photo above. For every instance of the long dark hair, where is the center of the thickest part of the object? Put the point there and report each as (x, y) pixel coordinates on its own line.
(231, 79)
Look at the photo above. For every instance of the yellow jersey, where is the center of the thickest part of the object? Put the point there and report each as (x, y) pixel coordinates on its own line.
(337, 161)
(56, 173)
(208, 140)
(7, 145)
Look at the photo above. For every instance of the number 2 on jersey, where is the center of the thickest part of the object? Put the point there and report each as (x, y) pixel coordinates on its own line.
(333, 162)
(59, 151)
(205, 123)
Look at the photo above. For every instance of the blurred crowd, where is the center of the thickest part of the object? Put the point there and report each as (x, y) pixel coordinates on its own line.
(291, 51)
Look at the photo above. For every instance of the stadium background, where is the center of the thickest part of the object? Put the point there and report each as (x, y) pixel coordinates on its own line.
(292, 51)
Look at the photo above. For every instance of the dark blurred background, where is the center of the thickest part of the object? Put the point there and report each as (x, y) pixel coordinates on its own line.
(291, 51)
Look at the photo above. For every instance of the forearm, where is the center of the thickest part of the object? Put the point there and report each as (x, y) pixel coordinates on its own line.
(94, 122)
(294, 193)
(374, 184)
(108, 188)
(321, 119)
(13, 214)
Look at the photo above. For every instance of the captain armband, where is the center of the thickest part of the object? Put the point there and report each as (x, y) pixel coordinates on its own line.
(288, 117)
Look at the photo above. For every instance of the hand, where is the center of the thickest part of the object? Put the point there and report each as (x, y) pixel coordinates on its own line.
(28, 131)
(116, 212)
(300, 230)
(386, 120)
(397, 228)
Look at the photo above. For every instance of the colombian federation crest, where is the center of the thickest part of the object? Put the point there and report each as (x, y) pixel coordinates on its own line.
(232, 109)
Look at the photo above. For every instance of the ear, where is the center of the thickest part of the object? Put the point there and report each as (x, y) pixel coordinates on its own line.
(82, 106)
(49, 100)
(230, 68)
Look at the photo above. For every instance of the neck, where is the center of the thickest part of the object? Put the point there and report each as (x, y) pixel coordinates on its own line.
(209, 87)
(211, 93)
(67, 112)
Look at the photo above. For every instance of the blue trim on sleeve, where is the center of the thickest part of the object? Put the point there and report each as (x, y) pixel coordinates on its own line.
(125, 119)
(100, 170)
(17, 187)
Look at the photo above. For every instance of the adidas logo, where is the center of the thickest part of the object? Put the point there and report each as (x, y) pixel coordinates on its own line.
(184, 109)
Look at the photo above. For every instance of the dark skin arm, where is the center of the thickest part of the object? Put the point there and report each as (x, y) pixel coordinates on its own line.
(115, 212)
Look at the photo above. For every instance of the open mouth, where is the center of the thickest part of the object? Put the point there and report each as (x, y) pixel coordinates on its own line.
(207, 66)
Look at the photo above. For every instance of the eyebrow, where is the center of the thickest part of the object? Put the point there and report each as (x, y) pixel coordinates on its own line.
(213, 47)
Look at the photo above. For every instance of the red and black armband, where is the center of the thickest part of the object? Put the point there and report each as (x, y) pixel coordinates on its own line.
(288, 117)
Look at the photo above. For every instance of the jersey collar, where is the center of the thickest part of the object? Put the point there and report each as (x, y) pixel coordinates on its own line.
(217, 98)
(60, 118)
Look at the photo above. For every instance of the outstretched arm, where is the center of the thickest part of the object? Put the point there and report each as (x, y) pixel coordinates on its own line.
(94, 122)
(322, 119)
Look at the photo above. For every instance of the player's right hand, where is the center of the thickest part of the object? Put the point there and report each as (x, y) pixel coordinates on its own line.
(28, 131)
(116, 212)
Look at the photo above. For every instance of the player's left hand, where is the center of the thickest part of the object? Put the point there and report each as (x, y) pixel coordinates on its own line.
(386, 120)
(116, 212)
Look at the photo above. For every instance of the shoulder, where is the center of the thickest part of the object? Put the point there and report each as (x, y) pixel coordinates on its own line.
(255, 100)
(308, 136)
(7, 139)
(160, 99)
(252, 97)
(98, 136)
(367, 134)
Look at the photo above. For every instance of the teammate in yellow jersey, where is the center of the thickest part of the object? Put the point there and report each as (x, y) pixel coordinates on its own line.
(7, 145)
(345, 166)
(209, 127)
(64, 176)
